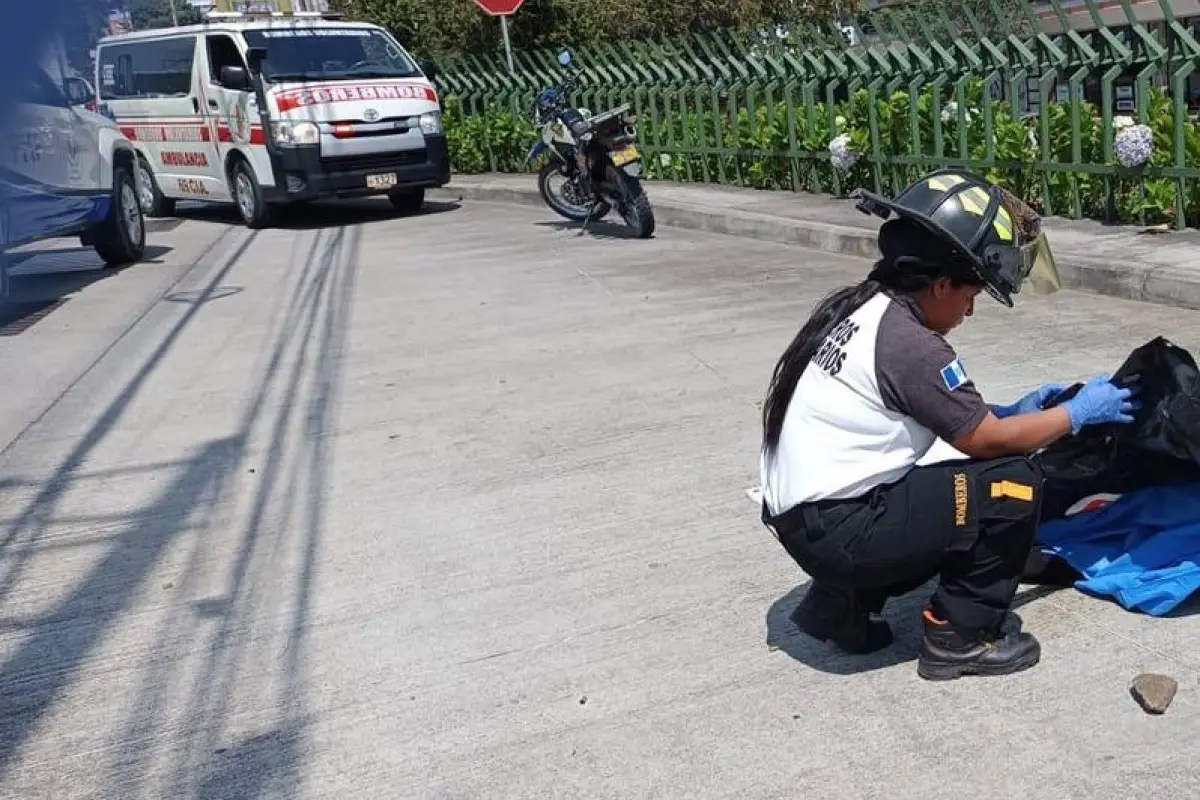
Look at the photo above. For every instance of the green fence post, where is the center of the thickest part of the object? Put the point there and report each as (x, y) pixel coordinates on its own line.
(725, 101)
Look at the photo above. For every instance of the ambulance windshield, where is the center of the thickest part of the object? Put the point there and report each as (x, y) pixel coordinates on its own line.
(330, 54)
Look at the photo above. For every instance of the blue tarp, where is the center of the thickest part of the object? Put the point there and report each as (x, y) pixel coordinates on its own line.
(1143, 550)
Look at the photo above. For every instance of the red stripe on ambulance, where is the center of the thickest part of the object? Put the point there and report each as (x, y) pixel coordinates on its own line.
(225, 134)
(299, 98)
(166, 132)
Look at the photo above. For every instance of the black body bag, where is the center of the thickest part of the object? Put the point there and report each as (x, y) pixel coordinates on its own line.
(1161, 445)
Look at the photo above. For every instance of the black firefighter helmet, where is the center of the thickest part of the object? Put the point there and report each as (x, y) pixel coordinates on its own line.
(972, 216)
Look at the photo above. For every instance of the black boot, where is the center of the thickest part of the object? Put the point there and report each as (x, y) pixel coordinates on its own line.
(947, 654)
(826, 613)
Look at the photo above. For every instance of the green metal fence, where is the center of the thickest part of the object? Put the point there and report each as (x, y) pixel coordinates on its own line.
(926, 91)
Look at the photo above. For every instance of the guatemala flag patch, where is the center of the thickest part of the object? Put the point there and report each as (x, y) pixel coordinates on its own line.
(954, 375)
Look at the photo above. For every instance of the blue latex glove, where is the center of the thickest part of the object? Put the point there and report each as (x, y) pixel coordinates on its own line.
(1034, 401)
(1099, 401)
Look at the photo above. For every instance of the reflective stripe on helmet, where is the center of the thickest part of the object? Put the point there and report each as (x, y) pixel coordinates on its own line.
(944, 183)
(974, 200)
(1003, 224)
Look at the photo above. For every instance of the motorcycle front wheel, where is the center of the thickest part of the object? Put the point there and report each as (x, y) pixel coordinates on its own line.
(574, 208)
(634, 206)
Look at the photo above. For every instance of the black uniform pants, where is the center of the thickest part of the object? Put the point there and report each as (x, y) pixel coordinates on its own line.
(970, 522)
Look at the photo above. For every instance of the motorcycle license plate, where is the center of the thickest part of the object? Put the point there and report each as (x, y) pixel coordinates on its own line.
(385, 180)
(622, 157)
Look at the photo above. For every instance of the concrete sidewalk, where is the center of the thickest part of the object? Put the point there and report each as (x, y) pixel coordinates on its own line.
(1118, 261)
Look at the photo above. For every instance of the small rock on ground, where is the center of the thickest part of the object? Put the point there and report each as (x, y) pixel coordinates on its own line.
(1154, 693)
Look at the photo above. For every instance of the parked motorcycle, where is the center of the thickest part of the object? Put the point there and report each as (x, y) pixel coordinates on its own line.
(596, 156)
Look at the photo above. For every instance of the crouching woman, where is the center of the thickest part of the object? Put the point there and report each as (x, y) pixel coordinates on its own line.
(859, 397)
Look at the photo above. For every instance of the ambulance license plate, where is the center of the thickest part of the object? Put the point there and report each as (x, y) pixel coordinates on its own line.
(384, 180)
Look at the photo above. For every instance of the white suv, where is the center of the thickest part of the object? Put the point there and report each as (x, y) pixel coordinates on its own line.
(67, 171)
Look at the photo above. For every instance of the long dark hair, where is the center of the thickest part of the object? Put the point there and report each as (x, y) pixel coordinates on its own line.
(912, 260)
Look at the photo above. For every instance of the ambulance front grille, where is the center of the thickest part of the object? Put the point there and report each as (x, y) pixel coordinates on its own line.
(373, 161)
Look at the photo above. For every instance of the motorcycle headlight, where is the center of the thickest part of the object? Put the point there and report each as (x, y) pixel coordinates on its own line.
(431, 123)
(288, 132)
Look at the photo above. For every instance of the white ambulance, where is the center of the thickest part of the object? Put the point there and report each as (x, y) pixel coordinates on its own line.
(270, 109)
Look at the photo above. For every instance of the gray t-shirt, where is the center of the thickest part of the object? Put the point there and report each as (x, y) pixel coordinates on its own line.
(922, 377)
(878, 393)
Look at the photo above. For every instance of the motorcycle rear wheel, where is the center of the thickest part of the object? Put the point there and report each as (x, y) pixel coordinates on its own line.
(575, 213)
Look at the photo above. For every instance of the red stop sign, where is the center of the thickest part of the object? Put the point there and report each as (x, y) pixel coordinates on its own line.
(500, 8)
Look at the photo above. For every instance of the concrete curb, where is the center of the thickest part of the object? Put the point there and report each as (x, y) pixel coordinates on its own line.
(839, 239)
(1165, 284)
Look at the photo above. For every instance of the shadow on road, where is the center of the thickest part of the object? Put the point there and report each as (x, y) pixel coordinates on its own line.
(54, 273)
(318, 215)
(274, 469)
(596, 230)
(42, 281)
(902, 613)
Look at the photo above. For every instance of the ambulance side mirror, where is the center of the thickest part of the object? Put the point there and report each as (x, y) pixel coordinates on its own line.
(78, 91)
(255, 57)
(235, 78)
(429, 68)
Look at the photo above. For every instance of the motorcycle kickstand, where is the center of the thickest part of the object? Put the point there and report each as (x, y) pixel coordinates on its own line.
(587, 220)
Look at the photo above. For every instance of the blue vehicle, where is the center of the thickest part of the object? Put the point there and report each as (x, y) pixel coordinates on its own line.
(67, 171)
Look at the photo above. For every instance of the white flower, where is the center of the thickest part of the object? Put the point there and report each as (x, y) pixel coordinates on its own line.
(1034, 147)
(840, 153)
(1120, 123)
(950, 112)
(1134, 145)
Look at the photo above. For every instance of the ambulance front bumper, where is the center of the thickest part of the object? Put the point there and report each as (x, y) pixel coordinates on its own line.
(305, 175)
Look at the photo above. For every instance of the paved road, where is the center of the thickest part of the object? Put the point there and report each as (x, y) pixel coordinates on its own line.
(454, 506)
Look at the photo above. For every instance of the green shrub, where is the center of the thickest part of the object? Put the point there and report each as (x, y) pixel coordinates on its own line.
(757, 151)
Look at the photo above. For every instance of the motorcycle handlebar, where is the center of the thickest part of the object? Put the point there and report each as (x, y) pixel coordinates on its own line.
(569, 80)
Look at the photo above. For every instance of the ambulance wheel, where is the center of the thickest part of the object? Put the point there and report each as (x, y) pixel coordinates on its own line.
(407, 201)
(153, 203)
(248, 196)
(121, 238)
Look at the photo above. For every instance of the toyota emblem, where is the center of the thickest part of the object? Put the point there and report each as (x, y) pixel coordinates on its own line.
(370, 115)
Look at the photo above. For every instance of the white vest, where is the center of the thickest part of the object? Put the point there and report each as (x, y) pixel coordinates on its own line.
(839, 440)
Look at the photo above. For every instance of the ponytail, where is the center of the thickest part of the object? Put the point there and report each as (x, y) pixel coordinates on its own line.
(831, 311)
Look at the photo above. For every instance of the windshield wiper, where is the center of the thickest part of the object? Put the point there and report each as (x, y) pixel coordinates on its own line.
(294, 76)
(338, 75)
(381, 73)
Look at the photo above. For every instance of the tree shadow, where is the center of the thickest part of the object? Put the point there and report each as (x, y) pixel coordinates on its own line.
(40, 669)
(283, 434)
(246, 768)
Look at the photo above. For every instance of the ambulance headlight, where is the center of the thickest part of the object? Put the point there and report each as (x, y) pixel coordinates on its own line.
(431, 124)
(288, 132)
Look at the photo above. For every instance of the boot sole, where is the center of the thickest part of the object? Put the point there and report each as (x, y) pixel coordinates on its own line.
(949, 672)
